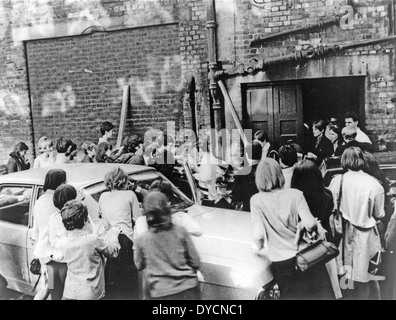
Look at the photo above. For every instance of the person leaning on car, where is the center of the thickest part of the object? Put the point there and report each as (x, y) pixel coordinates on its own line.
(244, 184)
(349, 135)
(278, 215)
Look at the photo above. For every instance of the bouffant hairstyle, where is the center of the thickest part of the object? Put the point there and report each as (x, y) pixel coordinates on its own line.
(54, 178)
(74, 215)
(352, 158)
(320, 125)
(64, 193)
(105, 127)
(101, 151)
(116, 179)
(130, 143)
(157, 211)
(43, 143)
(269, 175)
(163, 186)
(62, 144)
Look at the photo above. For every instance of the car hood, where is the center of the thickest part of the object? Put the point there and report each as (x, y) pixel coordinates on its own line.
(226, 249)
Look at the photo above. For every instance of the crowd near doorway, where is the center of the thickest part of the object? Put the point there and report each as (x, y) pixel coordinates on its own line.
(282, 108)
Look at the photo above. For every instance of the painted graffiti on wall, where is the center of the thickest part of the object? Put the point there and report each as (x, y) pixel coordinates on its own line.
(59, 101)
(145, 88)
(11, 104)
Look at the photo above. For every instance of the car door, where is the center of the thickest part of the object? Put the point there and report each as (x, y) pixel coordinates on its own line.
(15, 209)
(31, 241)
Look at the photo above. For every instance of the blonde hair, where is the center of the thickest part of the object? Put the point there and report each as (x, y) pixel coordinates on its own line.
(269, 175)
(116, 179)
(352, 158)
(43, 143)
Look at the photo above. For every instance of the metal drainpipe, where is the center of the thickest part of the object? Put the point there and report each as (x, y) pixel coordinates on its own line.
(393, 17)
(212, 53)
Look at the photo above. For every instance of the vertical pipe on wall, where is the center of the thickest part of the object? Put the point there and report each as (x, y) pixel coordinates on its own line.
(212, 58)
(393, 18)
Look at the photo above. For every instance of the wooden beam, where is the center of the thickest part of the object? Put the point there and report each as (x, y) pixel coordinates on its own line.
(231, 108)
(124, 110)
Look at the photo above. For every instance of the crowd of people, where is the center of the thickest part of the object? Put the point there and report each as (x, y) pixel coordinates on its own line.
(283, 190)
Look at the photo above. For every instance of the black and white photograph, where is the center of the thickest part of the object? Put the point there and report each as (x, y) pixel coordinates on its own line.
(198, 154)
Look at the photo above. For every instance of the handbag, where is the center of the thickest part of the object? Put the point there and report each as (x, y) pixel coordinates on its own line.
(336, 222)
(35, 266)
(320, 251)
(270, 291)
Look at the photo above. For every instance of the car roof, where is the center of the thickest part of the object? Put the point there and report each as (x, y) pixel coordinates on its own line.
(78, 174)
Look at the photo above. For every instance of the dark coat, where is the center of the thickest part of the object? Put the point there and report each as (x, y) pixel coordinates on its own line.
(16, 164)
(362, 145)
(245, 186)
(323, 150)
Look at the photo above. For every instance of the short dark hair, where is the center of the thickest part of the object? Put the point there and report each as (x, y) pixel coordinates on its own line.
(74, 215)
(254, 150)
(351, 114)
(130, 143)
(157, 211)
(64, 193)
(288, 154)
(54, 178)
(62, 144)
(307, 178)
(320, 125)
(106, 126)
(261, 135)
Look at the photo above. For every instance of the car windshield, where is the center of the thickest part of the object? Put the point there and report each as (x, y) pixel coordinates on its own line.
(179, 200)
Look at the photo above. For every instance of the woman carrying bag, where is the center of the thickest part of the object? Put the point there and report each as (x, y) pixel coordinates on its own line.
(279, 216)
(362, 204)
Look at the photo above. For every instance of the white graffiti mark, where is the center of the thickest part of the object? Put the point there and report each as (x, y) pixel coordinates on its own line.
(59, 101)
(11, 104)
(146, 88)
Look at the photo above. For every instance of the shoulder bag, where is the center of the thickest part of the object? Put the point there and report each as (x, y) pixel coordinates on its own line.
(321, 251)
(335, 220)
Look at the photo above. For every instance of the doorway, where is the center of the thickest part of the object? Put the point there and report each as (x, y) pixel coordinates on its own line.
(282, 108)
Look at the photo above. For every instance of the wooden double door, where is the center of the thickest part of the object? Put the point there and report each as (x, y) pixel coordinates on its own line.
(277, 109)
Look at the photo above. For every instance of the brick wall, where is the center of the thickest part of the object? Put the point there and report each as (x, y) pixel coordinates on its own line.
(157, 68)
(77, 82)
(249, 20)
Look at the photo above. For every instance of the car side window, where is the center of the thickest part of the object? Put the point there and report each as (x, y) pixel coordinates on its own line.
(15, 204)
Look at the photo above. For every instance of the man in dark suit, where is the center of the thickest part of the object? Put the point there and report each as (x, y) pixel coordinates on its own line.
(244, 183)
(349, 135)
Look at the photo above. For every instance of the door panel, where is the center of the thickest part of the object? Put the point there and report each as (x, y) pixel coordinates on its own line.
(15, 204)
(288, 114)
(278, 110)
(260, 110)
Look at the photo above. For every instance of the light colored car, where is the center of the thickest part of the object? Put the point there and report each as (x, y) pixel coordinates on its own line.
(230, 268)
